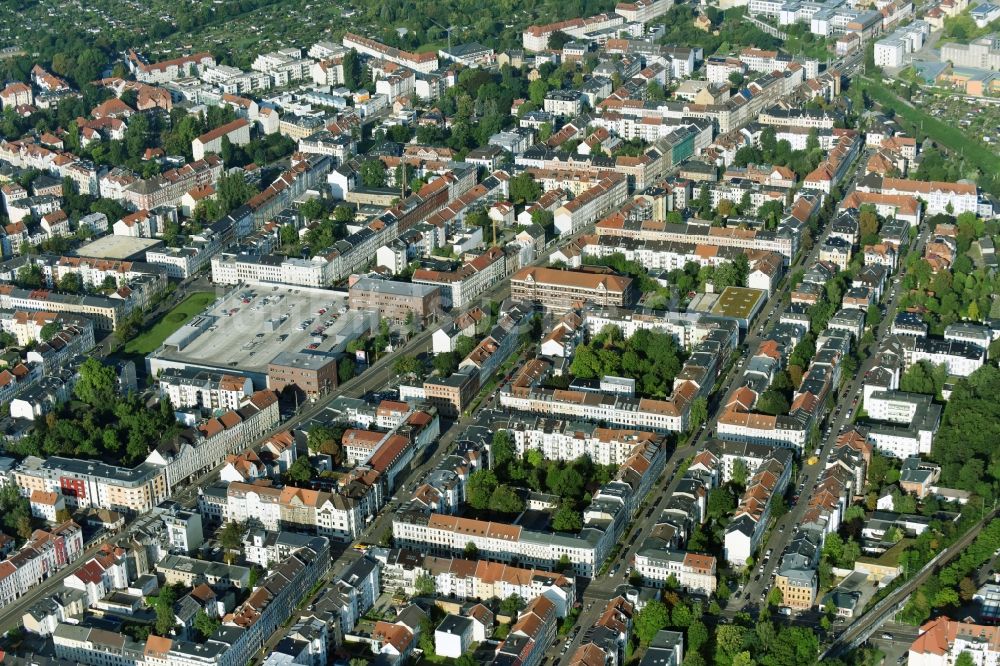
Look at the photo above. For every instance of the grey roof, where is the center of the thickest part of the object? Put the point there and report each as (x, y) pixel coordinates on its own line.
(455, 624)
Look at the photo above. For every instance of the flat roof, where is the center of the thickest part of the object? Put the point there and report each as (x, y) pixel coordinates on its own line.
(277, 322)
(738, 302)
(118, 247)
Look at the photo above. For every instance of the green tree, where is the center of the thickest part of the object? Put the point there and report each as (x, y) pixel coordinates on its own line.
(71, 283)
(480, 487)
(97, 384)
(29, 275)
(471, 551)
(872, 316)
(775, 597)
(445, 364)
(353, 71)
(772, 402)
(301, 471)
(373, 173)
(345, 370)
(501, 450)
(505, 500)
(464, 346)
(567, 519)
(49, 330)
(205, 625)
(698, 414)
(312, 209)
(741, 473)
(649, 620)
(325, 440)
(681, 616)
(965, 659)
(407, 365)
(233, 191)
(697, 636)
(523, 188)
(164, 607)
(512, 605)
(231, 539)
(424, 586)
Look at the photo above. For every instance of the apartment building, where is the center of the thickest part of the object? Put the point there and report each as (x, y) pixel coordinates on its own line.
(45, 553)
(169, 70)
(942, 641)
(237, 131)
(687, 328)
(311, 374)
(695, 573)
(418, 62)
(981, 53)
(251, 623)
(536, 37)
(326, 514)
(960, 358)
(938, 197)
(745, 530)
(796, 576)
(904, 423)
(779, 117)
(530, 636)
(784, 240)
(591, 205)
(396, 301)
(420, 527)
(204, 389)
(461, 286)
(562, 291)
(568, 440)
(89, 483)
(696, 378)
(183, 262)
(169, 187)
(642, 11)
(206, 446)
(475, 579)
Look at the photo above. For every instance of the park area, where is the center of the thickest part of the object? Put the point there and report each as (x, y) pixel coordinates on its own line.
(151, 338)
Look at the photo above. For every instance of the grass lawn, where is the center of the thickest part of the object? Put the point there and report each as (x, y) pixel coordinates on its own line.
(151, 338)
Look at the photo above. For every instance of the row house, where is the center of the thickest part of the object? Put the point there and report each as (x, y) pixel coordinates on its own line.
(939, 197)
(566, 440)
(461, 286)
(530, 636)
(168, 70)
(475, 579)
(784, 240)
(169, 187)
(45, 553)
(206, 446)
(591, 205)
(745, 530)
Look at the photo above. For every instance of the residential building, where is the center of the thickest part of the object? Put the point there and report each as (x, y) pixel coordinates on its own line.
(942, 640)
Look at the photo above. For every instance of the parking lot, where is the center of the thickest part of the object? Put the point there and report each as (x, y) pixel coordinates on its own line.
(250, 326)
